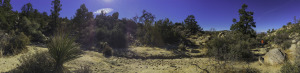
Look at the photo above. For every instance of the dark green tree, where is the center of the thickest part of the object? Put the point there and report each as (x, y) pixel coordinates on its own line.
(55, 15)
(0, 3)
(27, 9)
(246, 23)
(6, 5)
(115, 15)
(144, 29)
(81, 17)
(191, 25)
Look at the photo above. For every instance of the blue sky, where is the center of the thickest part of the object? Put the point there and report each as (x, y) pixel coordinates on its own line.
(216, 14)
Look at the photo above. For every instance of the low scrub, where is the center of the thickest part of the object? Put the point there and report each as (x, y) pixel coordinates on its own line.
(107, 51)
(17, 44)
(62, 49)
(290, 68)
(233, 46)
(41, 62)
(286, 44)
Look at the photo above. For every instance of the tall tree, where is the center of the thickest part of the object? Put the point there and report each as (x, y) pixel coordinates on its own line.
(27, 9)
(55, 14)
(147, 17)
(191, 24)
(6, 5)
(115, 15)
(82, 18)
(246, 23)
(0, 3)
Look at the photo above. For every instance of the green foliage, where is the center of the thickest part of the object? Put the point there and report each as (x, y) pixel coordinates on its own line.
(161, 33)
(286, 44)
(17, 44)
(191, 25)
(41, 62)
(113, 31)
(27, 9)
(4, 41)
(31, 28)
(107, 51)
(246, 22)
(6, 5)
(233, 46)
(54, 24)
(182, 47)
(290, 68)
(62, 49)
(279, 38)
(81, 18)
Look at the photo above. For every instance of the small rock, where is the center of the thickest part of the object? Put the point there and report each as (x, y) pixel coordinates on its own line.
(294, 41)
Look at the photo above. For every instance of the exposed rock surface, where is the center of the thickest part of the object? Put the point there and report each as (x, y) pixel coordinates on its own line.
(274, 57)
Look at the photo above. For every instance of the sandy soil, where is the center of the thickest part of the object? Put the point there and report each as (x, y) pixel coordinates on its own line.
(97, 63)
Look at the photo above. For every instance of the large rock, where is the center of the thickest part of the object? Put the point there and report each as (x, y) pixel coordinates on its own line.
(221, 34)
(274, 57)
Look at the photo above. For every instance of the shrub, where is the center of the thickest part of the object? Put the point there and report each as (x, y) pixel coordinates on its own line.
(62, 49)
(286, 44)
(41, 62)
(182, 47)
(30, 28)
(1, 53)
(4, 40)
(107, 51)
(233, 46)
(280, 37)
(17, 44)
(289, 68)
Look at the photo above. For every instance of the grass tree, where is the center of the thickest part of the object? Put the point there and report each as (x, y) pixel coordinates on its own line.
(62, 49)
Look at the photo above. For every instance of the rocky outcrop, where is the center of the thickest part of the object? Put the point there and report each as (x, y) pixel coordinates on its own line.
(221, 34)
(293, 53)
(273, 57)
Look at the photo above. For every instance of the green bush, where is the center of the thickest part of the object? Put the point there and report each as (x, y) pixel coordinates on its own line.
(31, 28)
(41, 62)
(233, 46)
(182, 47)
(289, 68)
(286, 44)
(63, 49)
(280, 37)
(107, 51)
(17, 44)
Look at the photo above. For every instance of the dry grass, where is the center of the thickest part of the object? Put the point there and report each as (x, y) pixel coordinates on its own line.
(8, 63)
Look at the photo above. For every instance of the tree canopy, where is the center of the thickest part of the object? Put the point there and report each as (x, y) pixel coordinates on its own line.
(246, 22)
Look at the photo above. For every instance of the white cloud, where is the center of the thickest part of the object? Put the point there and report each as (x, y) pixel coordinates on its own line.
(105, 10)
(108, 1)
